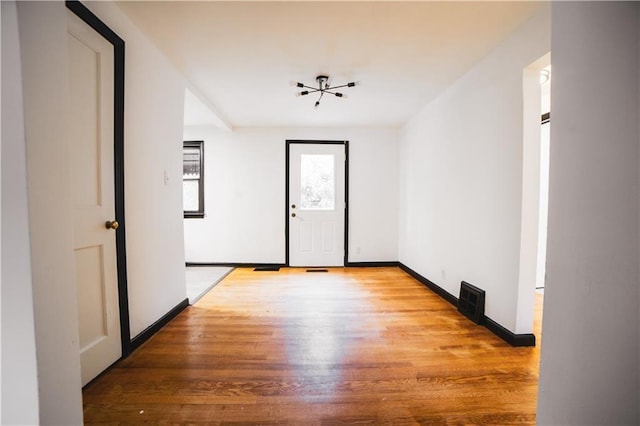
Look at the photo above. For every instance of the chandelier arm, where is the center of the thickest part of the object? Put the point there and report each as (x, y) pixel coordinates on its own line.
(309, 92)
(352, 84)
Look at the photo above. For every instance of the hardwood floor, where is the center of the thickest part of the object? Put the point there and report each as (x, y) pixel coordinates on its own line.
(351, 346)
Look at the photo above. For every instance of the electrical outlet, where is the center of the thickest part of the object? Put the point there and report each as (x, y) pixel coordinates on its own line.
(166, 178)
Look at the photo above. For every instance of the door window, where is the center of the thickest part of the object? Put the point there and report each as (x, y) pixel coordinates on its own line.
(317, 182)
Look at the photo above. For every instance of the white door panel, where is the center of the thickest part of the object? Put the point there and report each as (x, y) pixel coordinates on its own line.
(316, 210)
(91, 121)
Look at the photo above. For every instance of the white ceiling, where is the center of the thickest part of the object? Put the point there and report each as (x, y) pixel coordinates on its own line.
(243, 56)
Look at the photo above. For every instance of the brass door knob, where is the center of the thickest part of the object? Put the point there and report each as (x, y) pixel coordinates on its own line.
(111, 224)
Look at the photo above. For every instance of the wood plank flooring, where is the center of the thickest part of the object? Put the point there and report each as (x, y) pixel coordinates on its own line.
(350, 346)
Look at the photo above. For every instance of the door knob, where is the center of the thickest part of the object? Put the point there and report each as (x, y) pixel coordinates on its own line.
(293, 206)
(111, 224)
(293, 215)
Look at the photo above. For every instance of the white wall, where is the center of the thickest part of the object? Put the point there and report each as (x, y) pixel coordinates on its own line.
(153, 141)
(245, 194)
(590, 356)
(42, 32)
(461, 170)
(19, 369)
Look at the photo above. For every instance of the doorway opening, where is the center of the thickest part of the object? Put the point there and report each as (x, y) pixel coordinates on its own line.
(545, 138)
(200, 134)
(535, 189)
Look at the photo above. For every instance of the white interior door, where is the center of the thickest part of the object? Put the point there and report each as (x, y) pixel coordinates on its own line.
(316, 204)
(91, 143)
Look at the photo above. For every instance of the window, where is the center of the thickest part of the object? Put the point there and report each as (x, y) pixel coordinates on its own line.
(317, 183)
(193, 179)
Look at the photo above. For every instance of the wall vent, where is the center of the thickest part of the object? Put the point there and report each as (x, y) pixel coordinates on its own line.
(471, 302)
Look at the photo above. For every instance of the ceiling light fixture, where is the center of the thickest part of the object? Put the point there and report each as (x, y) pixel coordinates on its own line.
(545, 75)
(323, 87)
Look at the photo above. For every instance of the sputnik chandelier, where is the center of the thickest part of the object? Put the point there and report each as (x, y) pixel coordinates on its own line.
(323, 87)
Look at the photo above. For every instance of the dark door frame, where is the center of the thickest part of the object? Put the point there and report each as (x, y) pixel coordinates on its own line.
(118, 148)
(289, 142)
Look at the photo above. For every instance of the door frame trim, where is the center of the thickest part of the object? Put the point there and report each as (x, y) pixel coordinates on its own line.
(289, 142)
(101, 28)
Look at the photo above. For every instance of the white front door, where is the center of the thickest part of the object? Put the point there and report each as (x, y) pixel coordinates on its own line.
(91, 143)
(316, 204)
